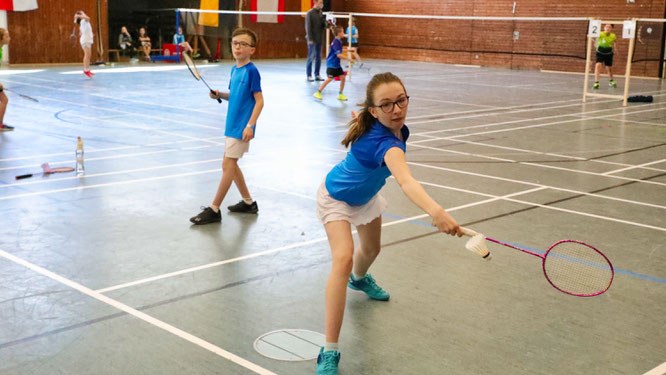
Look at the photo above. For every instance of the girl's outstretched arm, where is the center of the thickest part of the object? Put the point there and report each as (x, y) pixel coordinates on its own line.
(395, 160)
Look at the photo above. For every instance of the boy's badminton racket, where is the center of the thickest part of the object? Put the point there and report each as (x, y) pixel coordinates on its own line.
(22, 95)
(195, 72)
(572, 267)
(46, 169)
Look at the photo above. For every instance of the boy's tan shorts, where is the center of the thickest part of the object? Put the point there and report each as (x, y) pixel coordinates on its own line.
(235, 148)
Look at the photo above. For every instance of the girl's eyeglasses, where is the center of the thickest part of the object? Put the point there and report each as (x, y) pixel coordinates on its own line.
(388, 107)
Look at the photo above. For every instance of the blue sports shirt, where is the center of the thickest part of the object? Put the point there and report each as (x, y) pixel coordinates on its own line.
(244, 82)
(333, 61)
(354, 32)
(361, 175)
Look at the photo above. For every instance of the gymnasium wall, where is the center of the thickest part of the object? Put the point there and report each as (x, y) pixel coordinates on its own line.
(43, 35)
(438, 41)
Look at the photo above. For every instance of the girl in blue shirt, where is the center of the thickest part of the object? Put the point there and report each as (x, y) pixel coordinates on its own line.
(350, 196)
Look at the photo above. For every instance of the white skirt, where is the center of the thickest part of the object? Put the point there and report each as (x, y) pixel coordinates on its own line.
(331, 209)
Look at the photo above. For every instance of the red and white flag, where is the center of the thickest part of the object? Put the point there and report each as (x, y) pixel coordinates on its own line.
(268, 6)
(18, 5)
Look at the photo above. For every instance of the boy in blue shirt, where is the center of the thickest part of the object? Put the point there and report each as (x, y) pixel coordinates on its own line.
(245, 105)
(333, 67)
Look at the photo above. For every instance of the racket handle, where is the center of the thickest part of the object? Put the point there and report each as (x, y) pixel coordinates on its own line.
(214, 93)
(24, 176)
(468, 232)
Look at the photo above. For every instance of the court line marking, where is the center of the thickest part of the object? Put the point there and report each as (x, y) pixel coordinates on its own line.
(579, 116)
(122, 171)
(634, 167)
(283, 248)
(187, 123)
(114, 98)
(582, 213)
(564, 156)
(554, 187)
(636, 122)
(489, 107)
(139, 315)
(538, 165)
(659, 370)
(578, 102)
(93, 150)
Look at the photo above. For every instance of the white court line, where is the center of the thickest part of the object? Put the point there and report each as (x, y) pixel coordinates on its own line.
(121, 156)
(634, 167)
(578, 104)
(549, 186)
(115, 98)
(545, 206)
(547, 153)
(578, 116)
(572, 170)
(124, 171)
(532, 126)
(634, 122)
(139, 315)
(452, 102)
(6, 197)
(91, 149)
(283, 248)
(659, 370)
(187, 123)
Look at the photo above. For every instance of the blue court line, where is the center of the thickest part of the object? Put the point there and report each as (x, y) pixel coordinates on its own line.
(617, 270)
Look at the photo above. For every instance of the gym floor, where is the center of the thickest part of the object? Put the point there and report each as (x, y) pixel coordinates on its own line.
(104, 274)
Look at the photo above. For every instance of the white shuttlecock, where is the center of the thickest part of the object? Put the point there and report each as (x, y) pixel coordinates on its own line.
(477, 243)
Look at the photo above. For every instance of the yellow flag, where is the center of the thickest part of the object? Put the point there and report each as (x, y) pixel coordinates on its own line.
(209, 19)
(306, 5)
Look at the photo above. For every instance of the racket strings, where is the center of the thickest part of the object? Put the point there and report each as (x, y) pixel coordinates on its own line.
(578, 269)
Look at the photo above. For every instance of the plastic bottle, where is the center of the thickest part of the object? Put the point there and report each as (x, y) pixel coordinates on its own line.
(80, 169)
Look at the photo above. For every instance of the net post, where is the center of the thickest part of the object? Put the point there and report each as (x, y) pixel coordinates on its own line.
(328, 41)
(587, 67)
(177, 26)
(587, 64)
(627, 74)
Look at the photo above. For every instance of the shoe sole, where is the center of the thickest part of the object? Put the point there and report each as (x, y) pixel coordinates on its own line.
(351, 286)
(204, 222)
(244, 212)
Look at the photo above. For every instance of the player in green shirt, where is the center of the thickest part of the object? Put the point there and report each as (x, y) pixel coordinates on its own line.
(605, 52)
(4, 39)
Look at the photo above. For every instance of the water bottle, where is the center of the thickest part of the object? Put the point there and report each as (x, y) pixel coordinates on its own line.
(80, 169)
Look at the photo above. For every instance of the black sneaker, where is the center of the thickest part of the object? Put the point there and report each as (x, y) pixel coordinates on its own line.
(318, 78)
(244, 207)
(206, 216)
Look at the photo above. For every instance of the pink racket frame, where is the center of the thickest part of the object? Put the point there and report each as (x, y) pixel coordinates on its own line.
(543, 264)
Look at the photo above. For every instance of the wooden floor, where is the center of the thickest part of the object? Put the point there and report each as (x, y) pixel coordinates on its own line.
(104, 274)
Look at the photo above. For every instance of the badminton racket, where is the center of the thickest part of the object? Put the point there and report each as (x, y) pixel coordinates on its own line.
(46, 170)
(195, 72)
(570, 266)
(22, 95)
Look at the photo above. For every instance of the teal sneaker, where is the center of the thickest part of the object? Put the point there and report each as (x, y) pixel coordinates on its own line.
(369, 287)
(327, 362)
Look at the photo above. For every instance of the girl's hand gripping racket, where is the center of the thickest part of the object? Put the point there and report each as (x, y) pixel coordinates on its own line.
(195, 72)
(570, 266)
